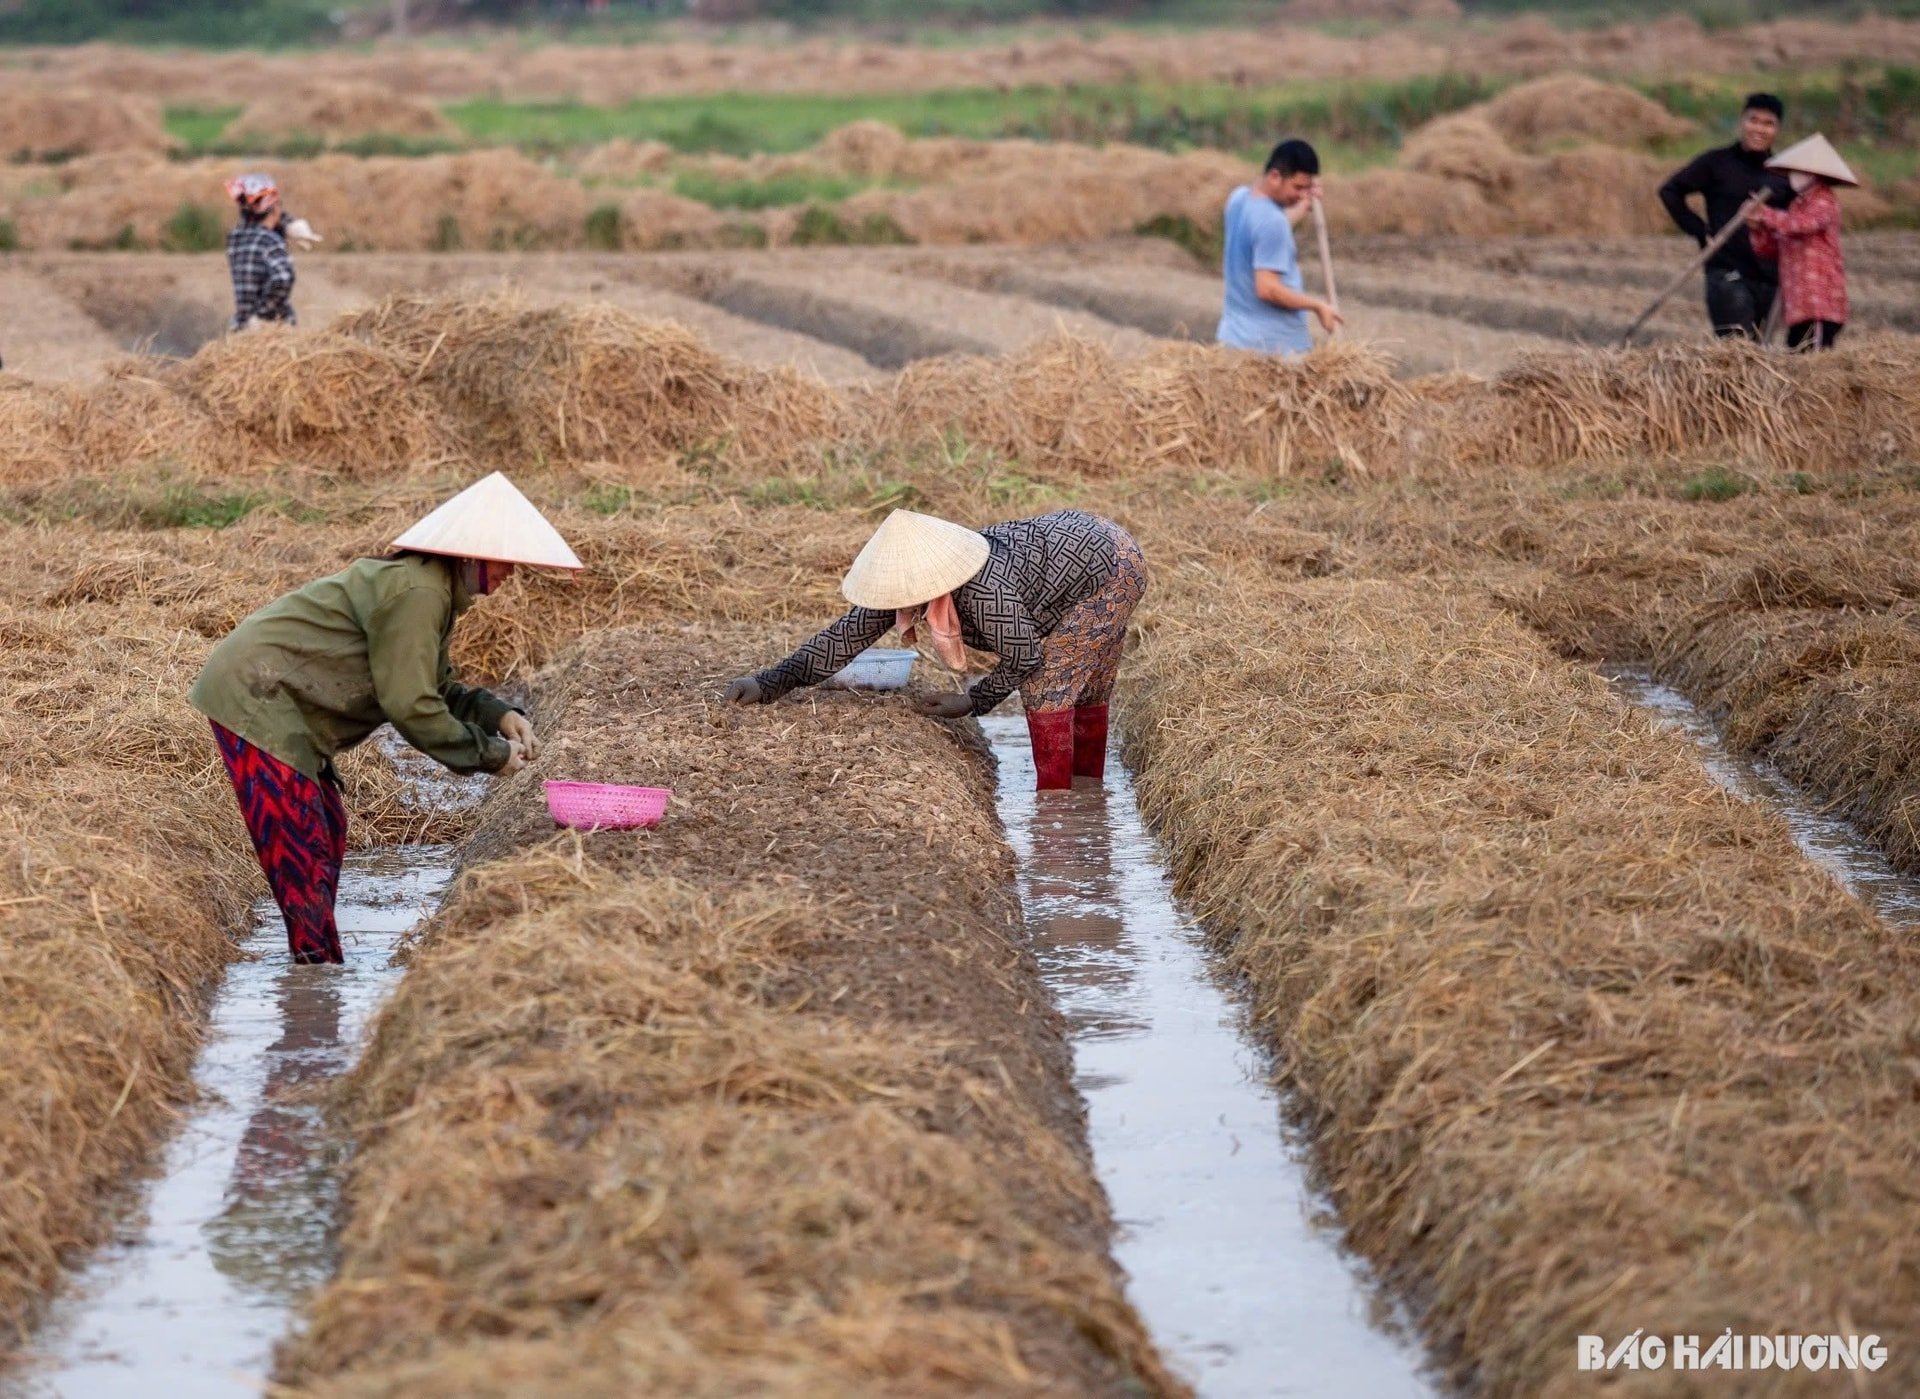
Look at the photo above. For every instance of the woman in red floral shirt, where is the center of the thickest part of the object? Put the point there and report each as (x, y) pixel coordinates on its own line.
(1805, 239)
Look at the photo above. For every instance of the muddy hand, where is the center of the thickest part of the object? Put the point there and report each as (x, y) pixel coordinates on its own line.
(517, 728)
(745, 690)
(951, 706)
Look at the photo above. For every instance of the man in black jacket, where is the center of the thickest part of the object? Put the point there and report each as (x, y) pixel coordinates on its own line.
(1740, 287)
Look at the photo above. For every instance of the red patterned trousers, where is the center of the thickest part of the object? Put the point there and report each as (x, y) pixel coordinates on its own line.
(299, 830)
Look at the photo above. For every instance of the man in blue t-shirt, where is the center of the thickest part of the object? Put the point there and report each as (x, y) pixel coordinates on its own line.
(1265, 306)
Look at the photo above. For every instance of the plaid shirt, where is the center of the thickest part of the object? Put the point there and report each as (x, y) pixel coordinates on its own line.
(1036, 570)
(1805, 239)
(262, 272)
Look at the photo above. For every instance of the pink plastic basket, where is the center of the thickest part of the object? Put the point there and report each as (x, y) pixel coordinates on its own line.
(598, 806)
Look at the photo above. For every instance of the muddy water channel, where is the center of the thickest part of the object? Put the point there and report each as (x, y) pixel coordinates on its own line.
(1246, 1290)
(1828, 841)
(202, 1283)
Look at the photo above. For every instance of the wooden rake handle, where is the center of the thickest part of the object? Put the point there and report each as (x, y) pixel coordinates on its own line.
(1719, 240)
(1326, 254)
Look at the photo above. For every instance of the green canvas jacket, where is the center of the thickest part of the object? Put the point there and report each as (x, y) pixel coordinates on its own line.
(313, 673)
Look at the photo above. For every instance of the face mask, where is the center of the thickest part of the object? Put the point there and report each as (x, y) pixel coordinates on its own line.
(1800, 180)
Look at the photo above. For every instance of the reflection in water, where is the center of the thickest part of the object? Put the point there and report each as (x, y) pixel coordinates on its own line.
(272, 1238)
(1828, 841)
(1243, 1291)
(238, 1228)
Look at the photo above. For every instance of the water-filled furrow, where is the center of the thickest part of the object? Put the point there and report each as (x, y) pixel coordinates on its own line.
(1244, 1285)
(1829, 841)
(207, 1273)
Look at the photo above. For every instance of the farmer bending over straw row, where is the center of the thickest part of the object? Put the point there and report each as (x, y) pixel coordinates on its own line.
(1050, 596)
(315, 673)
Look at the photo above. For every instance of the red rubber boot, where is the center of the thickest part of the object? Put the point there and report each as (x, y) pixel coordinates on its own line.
(1052, 733)
(1090, 742)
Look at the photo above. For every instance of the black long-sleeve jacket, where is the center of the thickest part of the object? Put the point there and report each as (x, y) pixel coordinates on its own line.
(1036, 570)
(1725, 177)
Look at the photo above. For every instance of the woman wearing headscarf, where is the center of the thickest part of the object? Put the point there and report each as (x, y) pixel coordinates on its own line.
(315, 672)
(1050, 596)
(258, 262)
(1805, 240)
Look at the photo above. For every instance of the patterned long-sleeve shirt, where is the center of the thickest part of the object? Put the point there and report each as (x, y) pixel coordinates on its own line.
(1806, 241)
(1036, 570)
(262, 272)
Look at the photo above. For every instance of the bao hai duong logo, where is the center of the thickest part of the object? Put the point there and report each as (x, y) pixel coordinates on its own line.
(1729, 1351)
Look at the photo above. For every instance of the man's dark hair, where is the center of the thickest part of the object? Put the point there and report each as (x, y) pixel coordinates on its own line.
(1765, 102)
(1294, 157)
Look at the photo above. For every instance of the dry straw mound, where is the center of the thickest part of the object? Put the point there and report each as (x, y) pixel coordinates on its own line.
(621, 159)
(1564, 1012)
(1071, 408)
(607, 73)
(1538, 115)
(582, 382)
(39, 123)
(1678, 401)
(734, 1157)
(1546, 157)
(339, 112)
(494, 199)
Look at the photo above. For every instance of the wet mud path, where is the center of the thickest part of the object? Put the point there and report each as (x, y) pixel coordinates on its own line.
(1230, 1258)
(210, 1266)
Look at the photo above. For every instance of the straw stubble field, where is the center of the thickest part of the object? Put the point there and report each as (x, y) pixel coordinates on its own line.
(852, 315)
(1582, 1042)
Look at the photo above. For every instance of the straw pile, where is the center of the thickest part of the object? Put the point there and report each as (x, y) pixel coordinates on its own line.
(1572, 107)
(1070, 408)
(609, 73)
(480, 199)
(581, 382)
(1574, 1026)
(337, 113)
(420, 381)
(1672, 401)
(1529, 162)
(121, 877)
(414, 382)
(701, 1148)
(38, 123)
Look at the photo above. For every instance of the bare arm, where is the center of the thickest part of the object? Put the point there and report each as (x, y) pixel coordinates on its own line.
(1268, 286)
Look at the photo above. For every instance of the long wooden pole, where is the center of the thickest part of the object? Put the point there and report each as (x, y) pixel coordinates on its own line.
(1714, 245)
(1326, 254)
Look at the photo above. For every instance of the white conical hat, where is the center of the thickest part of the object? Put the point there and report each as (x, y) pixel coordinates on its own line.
(1815, 156)
(491, 520)
(913, 559)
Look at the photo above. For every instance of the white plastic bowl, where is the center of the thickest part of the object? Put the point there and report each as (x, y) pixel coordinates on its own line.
(879, 668)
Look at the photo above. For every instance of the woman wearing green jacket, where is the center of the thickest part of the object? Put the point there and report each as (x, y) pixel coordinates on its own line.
(315, 672)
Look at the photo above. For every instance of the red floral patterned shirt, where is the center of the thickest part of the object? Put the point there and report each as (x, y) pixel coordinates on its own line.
(1805, 240)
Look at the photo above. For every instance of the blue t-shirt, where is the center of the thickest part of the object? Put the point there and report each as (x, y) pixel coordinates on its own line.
(1258, 236)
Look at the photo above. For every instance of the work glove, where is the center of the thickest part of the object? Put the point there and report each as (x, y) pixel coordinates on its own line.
(516, 759)
(946, 706)
(515, 727)
(301, 232)
(745, 690)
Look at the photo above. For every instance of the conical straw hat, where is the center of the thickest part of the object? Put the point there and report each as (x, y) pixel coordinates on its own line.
(491, 520)
(913, 559)
(1815, 156)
